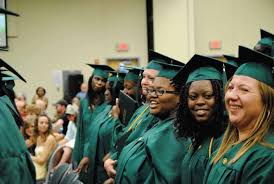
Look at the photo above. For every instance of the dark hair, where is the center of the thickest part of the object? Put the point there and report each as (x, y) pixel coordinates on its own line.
(115, 90)
(40, 87)
(186, 125)
(91, 94)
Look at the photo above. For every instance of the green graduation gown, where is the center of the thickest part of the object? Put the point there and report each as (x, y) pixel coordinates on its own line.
(102, 118)
(136, 127)
(153, 158)
(15, 162)
(194, 164)
(85, 120)
(120, 129)
(103, 147)
(255, 166)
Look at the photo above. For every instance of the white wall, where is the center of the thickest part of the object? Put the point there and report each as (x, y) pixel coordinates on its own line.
(234, 22)
(174, 28)
(63, 35)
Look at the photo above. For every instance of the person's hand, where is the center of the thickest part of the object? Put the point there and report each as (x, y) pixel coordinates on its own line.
(83, 165)
(115, 112)
(109, 167)
(107, 156)
(109, 181)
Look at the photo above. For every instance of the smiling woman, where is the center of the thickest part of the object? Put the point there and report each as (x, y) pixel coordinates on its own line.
(200, 115)
(162, 97)
(246, 154)
(155, 156)
(45, 145)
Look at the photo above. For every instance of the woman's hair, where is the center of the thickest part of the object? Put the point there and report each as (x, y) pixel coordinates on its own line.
(91, 94)
(33, 109)
(36, 131)
(40, 87)
(115, 90)
(263, 125)
(30, 120)
(186, 125)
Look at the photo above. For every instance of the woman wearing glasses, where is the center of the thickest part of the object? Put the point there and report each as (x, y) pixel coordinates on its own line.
(155, 157)
(200, 115)
(246, 154)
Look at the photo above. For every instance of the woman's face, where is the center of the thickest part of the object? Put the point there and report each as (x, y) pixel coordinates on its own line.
(130, 88)
(98, 83)
(43, 124)
(29, 130)
(162, 105)
(243, 101)
(40, 92)
(148, 77)
(201, 100)
(108, 96)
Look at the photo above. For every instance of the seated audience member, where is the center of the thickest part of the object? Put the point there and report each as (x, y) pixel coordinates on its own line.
(45, 145)
(76, 102)
(28, 131)
(61, 121)
(71, 113)
(20, 102)
(33, 109)
(41, 104)
(82, 94)
(40, 93)
(68, 142)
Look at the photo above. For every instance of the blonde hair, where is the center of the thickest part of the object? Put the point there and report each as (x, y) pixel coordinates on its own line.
(258, 132)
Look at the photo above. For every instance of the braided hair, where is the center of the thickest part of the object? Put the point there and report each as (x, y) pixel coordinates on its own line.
(187, 126)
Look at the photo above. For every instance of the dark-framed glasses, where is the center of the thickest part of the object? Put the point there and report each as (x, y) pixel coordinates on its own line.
(160, 92)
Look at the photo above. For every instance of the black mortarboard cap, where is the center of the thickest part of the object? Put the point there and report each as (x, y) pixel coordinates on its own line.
(9, 68)
(155, 56)
(203, 68)
(101, 70)
(256, 65)
(265, 34)
(134, 74)
(7, 12)
(169, 70)
(116, 76)
(231, 60)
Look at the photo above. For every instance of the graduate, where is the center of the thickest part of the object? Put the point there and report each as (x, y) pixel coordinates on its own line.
(265, 45)
(132, 83)
(156, 155)
(90, 107)
(246, 153)
(98, 148)
(15, 160)
(142, 118)
(200, 115)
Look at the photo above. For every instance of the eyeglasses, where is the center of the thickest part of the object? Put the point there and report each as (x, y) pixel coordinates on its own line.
(160, 92)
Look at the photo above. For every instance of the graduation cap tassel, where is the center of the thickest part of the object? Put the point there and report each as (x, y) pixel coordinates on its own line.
(224, 80)
(138, 100)
(224, 77)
